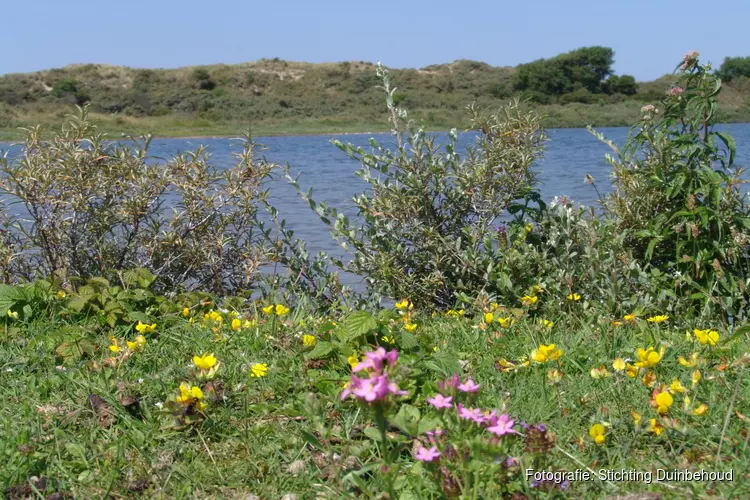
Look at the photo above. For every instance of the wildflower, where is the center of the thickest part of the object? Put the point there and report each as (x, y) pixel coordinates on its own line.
(115, 346)
(308, 340)
(657, 319)
(548, 323)
(648, 358)
(61, 294)
(600, 372)
(554, 376)
(410, 327)
(597, 433)
(617, 323)
(268, 309)
(388, 340)
(185, 312)
(656, 427)
(630, 317)
(618, 364)
(371, 389)
(439, 401)
(449, 383)
(505, 322)
(536, 289)
(636, 418)
(249, 323)
(528, 227)
(700, 410)
(631, 370)
(258, 370)
(709, 337)
(12, 314)
(686, 401)
(374, 360)
(546, 353)
(489, 318)
(473, 414)
(676, 91)
(236, 324)
(145, 328)
(190, 394)
(435, 434)
(353, 361)
(205, 362)
(676, 387)
(692, 363)
(404, 305)
(648, 108)
(138, 344)
(281, 310)
(663, 401)
(529, 300)
(469, 386)
(502, 425)
(649, 379)
(696, 377)
(574, 297)
(425, 455)
(455, 313)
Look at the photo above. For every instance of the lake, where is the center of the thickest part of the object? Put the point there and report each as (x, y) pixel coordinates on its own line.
(571, 154)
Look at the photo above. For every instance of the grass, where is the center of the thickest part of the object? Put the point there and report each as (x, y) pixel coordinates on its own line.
(288, 433)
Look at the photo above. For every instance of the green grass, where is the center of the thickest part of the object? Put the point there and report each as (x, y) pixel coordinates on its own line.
(254, 441)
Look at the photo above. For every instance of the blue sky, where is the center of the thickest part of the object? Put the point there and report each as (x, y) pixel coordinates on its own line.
(648, 36)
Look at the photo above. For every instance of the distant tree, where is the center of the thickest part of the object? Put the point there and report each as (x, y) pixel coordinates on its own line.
(734, 67)
(203, 78)
(624, 84)
(586, 67)
(69, 89)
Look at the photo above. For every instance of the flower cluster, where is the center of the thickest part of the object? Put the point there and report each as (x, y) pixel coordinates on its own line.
(276, 309)
(406, 309)
(377, 386)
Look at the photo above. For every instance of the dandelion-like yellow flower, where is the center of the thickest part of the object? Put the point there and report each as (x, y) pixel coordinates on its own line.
(546, 353)
(145, 328)
(598, 433)
(574, 297)
(709, 337)
(648, 358)
(205, 362)
(663, 401)
(404, 304)
(657, 319)
(618, 364)
(308, 340)
(529, 300)
(258, 370)
(236, 324)
(410, 327)
(656, 427)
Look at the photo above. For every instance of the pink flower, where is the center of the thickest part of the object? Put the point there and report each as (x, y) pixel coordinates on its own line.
(473, 414)
(648, 108)
(502, 425)
(426, 455)
(371, 389)
(374, 360)
(469, 386)
(439, 401)
(692, 55)
(433, 435)
(676, 91)
(449, 383)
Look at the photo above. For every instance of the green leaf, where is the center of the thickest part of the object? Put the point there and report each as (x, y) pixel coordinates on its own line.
(372, 433)
(6, 299)
(407, 341)
(359, 323)
(321, 350)
(730, 143)
(312, 440)
(136, 316)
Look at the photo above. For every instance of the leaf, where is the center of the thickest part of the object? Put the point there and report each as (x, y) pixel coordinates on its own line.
(6, 300)
(444, 363)
(312, 440)
(321, 350)
(372, 433)
(407, 340)
(135, 316)
(138, 277)
(75, 349)
(359, 323)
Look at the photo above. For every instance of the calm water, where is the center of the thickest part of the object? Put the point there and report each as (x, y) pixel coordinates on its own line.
(571, 154)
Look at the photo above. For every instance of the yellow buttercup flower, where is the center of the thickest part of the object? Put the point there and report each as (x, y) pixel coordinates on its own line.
(648, 358)
(138, 344)
(598, 433)
(657, 319)
(494, 306)
(489, 318)
(410, 327)
(145, 328)
(529, 300)
(308, 340)
(353, 361)
(205, 362)
(258, 370)
(618, 364)
(546, 353)
(185, 312)
(663, 401)
(709, 337)
(115, 348)
(268, 309)
(574, 297)
(656, 427)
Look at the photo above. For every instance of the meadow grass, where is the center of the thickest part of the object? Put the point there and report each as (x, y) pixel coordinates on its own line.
(255, 440)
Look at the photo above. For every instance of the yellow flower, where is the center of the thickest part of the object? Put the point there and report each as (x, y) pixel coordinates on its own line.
(546, 353)
(494, 306)
(692, 363)
(649, 379)
(115, 348)
(696, 377)
(12, 314)
(547, 323)
(268, 309)
(214, 315)
(709, 337)
(701, 410)
(145, 328)
(138, 344)
(281, 310)
(663, 401)
(236, 324)
(388, 340)
(489, 318)
(630, 317)
(258, 370)
(308, 340)
(676, 387)
(353, 361)
(631, 370)
(185, 312)
(189, 394)
(686, 403)
(410, 327)
(528, 227)
(403, 305)
(205, 362)
(574, 297)
(597, 433)
(648, 357)
(554, 376)
(600, 372)
(656, 427)
(455, 314)
(536, 289)
(61, 294)
(505, 322)
(617, 323)
(657, 319)
(248, 323)
(618, 364)
(636, 418)
(529, 300)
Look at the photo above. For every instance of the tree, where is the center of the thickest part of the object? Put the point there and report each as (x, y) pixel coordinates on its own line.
(203, 78)
(734, 67)
(586, 68)
(624, 84)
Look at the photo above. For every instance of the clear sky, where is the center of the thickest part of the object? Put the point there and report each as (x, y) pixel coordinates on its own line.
(648, 36)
